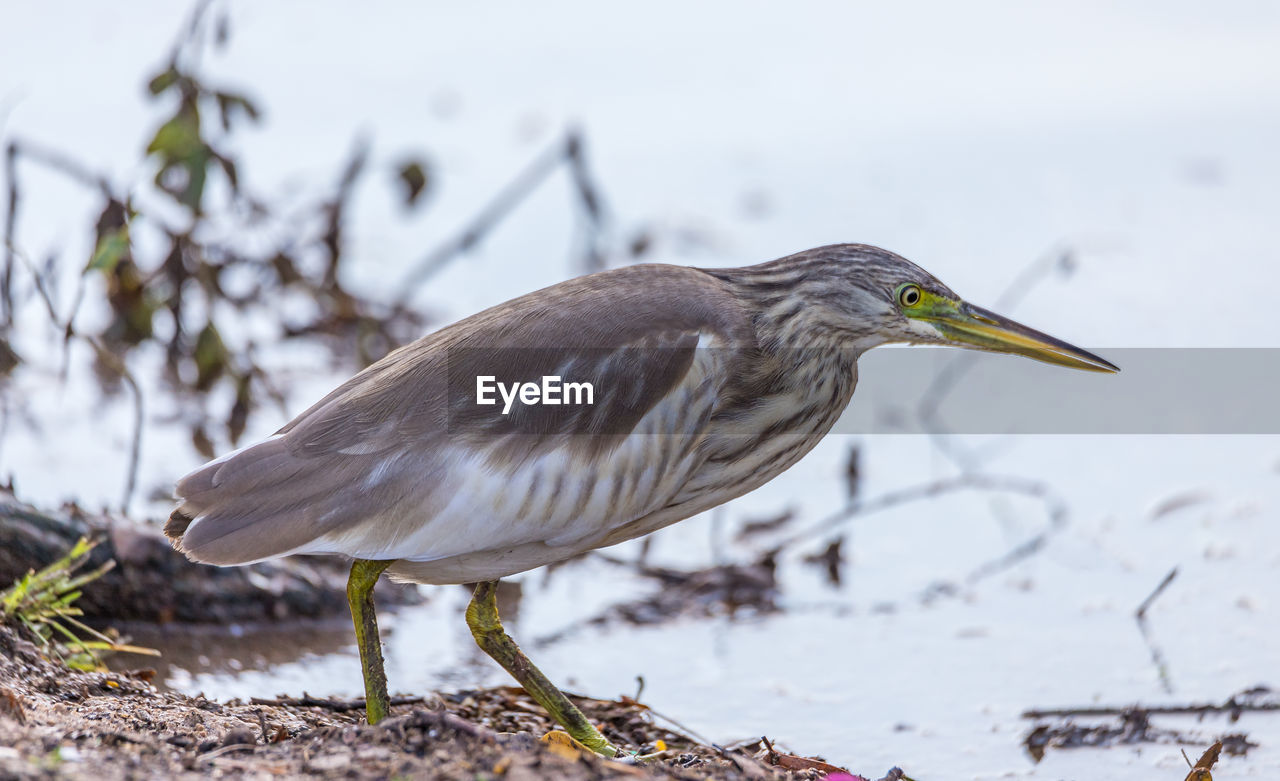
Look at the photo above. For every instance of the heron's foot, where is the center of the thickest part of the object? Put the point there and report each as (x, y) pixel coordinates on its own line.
(486, 627)
(564, 744)
(660, 750)
(364, 574)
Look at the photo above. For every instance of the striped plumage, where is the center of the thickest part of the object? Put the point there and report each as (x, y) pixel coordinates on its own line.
(709, 384)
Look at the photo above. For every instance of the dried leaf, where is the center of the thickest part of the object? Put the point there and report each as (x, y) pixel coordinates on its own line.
(769, 755)
(8, 358)
(222, 30)
(640, 243)
(563, 745)
(210, 357)
(202, 443)
(413, 175)
(830, 559)
(11, 705)
(1206, 762)
(853, 473)
(229, 168)
(230, 103)
(286, 269)
(239, 416)
(163, 81)
(764, 525)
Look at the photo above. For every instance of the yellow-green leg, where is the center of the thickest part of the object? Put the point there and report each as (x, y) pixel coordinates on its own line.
(364, 574)
(486, 627)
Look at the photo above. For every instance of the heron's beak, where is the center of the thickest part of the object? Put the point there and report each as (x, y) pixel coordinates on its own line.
(966, 325)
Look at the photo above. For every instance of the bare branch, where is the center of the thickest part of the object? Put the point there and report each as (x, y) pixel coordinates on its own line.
(63, 164)
(566, 150)
(135, 449)
(1260, 699)
(1157, 654)
(329, 703)
(966, 482)
(1141, 612)
(10, 226)
(589, 197)
(1057, 258)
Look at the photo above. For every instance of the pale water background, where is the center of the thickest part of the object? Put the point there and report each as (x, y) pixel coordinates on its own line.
(972, 138)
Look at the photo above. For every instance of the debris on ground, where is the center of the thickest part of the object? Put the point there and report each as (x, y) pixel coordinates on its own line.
(753, 527)
(1133, 725)
(1200, 770)
(736, 590)
(107, 726)
(1253, 699)
(831, 560)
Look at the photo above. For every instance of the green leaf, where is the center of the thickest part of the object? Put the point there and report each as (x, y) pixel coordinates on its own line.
(193, 193)
(113, 245)
(183, 153)
(179, 138)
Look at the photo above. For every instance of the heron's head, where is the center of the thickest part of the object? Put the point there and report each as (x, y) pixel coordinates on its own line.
(870, 296)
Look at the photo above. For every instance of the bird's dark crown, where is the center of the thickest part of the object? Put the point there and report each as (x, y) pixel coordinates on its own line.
(847, 291)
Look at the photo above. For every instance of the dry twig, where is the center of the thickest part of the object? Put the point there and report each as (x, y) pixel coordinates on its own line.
(565, 151)
(329, 703)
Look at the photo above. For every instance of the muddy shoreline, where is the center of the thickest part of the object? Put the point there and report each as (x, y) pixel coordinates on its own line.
(55, 722)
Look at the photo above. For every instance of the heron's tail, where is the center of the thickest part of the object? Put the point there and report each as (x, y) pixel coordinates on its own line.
(250, 505)
(176, 526)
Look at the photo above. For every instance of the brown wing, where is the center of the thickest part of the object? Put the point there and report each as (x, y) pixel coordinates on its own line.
(631, 332)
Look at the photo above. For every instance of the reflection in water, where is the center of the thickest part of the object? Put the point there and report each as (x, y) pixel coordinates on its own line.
(510, 595)
(319, 655)
(189, 651)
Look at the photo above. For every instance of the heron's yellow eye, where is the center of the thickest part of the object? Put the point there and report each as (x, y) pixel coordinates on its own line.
(909, 295)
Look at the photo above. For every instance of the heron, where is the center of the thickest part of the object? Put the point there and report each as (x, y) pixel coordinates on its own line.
(708, 383)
